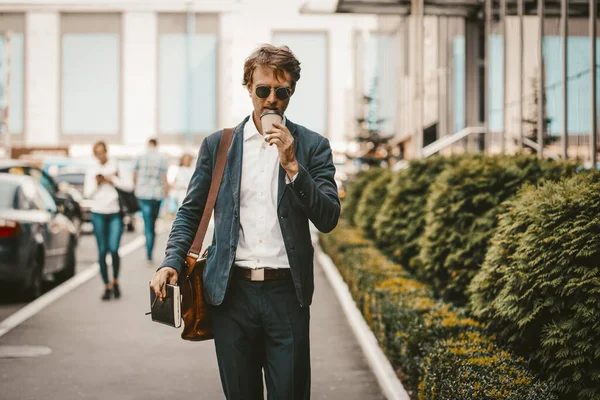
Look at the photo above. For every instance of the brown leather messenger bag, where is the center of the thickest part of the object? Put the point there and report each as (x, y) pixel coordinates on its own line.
(196, 321)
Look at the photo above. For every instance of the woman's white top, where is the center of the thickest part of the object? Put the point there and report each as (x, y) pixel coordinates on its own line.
(105, 199)
(183, 177)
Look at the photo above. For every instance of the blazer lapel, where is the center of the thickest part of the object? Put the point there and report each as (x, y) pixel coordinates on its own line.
(234, 163)
(281, 186)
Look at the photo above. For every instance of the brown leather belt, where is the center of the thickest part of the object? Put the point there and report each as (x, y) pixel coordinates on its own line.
(262, 274)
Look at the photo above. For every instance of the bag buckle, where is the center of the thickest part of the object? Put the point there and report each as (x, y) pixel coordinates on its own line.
(257, 274)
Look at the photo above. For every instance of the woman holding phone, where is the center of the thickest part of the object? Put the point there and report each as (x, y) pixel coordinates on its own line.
(100, 185)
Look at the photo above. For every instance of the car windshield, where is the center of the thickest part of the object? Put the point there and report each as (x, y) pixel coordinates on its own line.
(72, 178)
(8, 194)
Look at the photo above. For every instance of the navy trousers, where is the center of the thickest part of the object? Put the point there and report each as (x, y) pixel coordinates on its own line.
(261, 326)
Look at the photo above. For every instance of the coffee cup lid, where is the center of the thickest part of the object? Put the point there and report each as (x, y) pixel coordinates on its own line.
(267, 112)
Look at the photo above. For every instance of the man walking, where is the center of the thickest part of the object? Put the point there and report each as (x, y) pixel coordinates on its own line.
(258, 277)
(150, 179)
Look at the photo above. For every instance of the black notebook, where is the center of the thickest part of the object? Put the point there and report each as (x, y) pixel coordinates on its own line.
(168, 311)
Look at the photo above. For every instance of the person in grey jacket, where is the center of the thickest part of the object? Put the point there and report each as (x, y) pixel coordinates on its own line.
(259, 277)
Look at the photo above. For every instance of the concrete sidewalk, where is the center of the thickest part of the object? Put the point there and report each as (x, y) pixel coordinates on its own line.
(111, 350)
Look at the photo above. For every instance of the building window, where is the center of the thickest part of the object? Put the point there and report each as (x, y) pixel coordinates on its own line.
(578, 84)
(381, 80)
(91, 75)
(15, 23)
(459, 82)
(187, 74)
(308, 105)
(496, 83)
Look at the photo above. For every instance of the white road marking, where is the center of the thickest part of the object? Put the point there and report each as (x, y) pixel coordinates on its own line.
(48, 298)
(24, 351)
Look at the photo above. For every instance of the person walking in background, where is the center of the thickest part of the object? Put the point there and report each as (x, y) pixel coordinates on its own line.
(258, 278)
(150, 179)
(100, 185)
(182, 179)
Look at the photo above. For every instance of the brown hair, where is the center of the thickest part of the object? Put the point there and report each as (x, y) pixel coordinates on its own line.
(101, 144)
(279, 59)
(183, 157)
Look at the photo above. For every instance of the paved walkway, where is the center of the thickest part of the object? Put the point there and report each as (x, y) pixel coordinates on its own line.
(113, 351)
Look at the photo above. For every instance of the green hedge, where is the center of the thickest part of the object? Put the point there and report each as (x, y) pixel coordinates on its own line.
(450, 367)
(371, 201)
(355, 190)
(404, 316)
(539, 286)
(414, 322)
(462, 213)
(401, 220)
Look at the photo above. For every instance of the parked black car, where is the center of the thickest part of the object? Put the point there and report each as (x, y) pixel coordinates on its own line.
(37, 242)
(67, 204)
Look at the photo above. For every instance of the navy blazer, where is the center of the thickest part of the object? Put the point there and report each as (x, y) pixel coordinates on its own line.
(312, 196)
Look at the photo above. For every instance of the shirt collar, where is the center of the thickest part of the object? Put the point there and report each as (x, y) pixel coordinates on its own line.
(250, 129)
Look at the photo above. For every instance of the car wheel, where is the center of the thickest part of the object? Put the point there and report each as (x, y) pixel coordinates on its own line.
(70, 262)
(36, 285)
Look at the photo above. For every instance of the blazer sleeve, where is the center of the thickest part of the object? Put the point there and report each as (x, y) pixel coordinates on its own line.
(189, 214)
(316, 190)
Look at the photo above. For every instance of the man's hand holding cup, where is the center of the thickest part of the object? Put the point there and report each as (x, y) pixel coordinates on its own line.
(275, 133)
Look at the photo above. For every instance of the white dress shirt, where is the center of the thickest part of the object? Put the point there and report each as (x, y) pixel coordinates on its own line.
(261, 242)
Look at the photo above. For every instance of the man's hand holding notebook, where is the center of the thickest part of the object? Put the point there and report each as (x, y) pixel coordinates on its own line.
(167, 311)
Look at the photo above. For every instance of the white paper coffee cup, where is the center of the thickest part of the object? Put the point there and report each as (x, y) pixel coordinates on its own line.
(268, 118)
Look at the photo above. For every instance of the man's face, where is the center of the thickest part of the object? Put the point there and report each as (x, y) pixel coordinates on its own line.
(266, 77)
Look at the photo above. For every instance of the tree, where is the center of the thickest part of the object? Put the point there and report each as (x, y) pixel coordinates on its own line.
(373, 148)
(531, 122)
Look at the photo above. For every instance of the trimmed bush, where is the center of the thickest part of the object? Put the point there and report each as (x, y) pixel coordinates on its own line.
(401, 219)
(371, 201)
(401, 311)
(539, 287)
(450, 368)
(335, 245)
(355, 190)
(461, 215)
(414, 322)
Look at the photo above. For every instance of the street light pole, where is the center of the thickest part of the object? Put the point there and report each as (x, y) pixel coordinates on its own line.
(564, 11)
(418, 7)
(521, 69)
(190, 31)
(594, 99)
(540, 87)
(5, 100)
(503, 22)
(486, 85)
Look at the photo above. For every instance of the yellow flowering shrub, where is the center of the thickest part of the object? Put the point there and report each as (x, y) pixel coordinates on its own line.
(470, 366)
(410, 323)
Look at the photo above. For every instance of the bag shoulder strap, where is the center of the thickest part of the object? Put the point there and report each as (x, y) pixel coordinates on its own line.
(215, 184)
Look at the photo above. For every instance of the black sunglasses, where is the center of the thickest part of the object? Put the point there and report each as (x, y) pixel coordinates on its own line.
(282, 93)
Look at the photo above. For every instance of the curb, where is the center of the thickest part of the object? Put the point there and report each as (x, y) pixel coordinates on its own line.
(384, 373)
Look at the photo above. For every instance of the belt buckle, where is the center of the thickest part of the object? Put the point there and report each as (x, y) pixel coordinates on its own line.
(257, 274)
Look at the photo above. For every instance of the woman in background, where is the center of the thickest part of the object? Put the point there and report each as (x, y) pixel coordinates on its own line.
(100, 185)
(182, 179)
